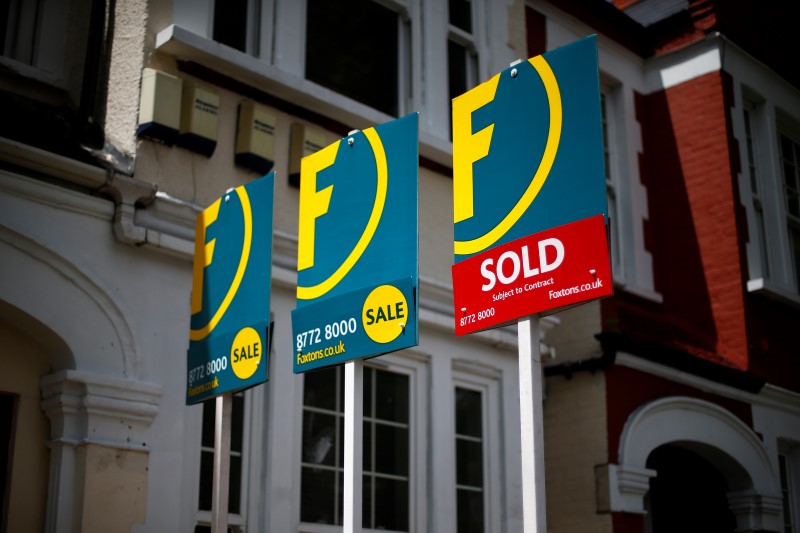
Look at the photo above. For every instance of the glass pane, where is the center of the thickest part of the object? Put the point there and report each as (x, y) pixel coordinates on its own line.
(369, 376)
(457, 69)
(235, 485)
(209, 410)
(470, 511)
(461, 14)
(469, 413)
(237, 423)
(230, 23)
(368, 446)
(391, 402)
(366, 501)
(793, 202)
(795, 241)
(469, 463)
(320, 389)
(317, 499)
(391, 504)
(206, 480)
(786, 147)
(356, 56)
(319, 438)
(391, 450)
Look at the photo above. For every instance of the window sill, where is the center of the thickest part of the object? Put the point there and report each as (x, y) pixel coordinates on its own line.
(641, 292)
(771, 290)
(181, 43)
(27, 71)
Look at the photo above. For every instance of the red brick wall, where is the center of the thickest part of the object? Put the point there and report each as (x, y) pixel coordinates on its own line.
(691, 232)
(535, 32)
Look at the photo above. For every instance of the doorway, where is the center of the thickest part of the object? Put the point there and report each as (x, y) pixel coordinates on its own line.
(688, 494)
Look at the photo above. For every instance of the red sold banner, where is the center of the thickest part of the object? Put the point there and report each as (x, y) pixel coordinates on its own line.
(539, 273)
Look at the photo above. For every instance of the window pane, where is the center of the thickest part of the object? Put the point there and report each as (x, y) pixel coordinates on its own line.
(317, 503)
(470, 511)
(369, 376)
(386, 448)
(391, 505)
(209, 410)
(356, 56)
(206, 480)
(795, 244)
(391, 450)
(391, 402)
(368, 446)
(235, 486)
(469, 463)
(461, 14)
(320, 389)
(230, 23)
(237, 423)
(366, 501)
(457, 69)
(207, 454)
(468, 413)
(319, 438)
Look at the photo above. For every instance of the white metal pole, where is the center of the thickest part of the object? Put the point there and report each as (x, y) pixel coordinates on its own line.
(353, 444)
(531, 426)
(222, 460)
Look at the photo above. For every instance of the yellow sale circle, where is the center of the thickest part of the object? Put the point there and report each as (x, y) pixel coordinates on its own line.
(246, 353)
(385, 314)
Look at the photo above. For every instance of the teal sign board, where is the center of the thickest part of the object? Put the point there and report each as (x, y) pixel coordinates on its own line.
(528, 150)
(529, 191)
(228, 344)
(357, 257)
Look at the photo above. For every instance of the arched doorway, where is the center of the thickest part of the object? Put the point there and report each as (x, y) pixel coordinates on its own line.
(720, 444)
(688, 494)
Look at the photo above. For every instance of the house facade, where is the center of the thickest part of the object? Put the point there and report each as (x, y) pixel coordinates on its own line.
(123, 119)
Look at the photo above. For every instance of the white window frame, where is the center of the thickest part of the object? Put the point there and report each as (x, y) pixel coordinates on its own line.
(621, 75)
(279, 64)
(790, 452)
(632, 264)
(608, 109)
(235, 520)
(486, 380)
(43, 39)
(767, 122)
(252, 463)
(415, 366)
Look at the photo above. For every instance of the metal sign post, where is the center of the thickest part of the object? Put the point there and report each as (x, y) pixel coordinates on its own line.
(222, 463)
(529, 217)
(353, 444)
(531, 422)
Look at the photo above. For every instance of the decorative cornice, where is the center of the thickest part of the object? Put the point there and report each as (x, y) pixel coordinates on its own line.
(88, 408)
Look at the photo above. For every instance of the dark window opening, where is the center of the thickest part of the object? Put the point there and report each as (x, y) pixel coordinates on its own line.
(230, 23)
(352, 48)
(207, 455)
(386, 461)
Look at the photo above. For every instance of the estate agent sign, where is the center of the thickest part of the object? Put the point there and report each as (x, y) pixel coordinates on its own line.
(357, 257)
(529, 191)
(231, 292)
